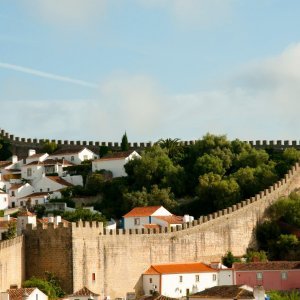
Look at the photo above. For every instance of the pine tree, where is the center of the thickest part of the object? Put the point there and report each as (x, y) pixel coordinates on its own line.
(124, 143)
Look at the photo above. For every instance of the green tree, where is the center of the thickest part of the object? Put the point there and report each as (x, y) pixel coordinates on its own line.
(252, 256)
(154, 197)
(228, 259)
(84, 215)
(124, 143)
(42, 285)
(216, 193)
(11, 231)
(174, 148)
(5, 149)
(209, 164)
(94, 183)
(49, 147)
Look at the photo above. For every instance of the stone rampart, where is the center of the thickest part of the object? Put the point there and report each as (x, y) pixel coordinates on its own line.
(111, 262)
(12, 268)
(21, 145)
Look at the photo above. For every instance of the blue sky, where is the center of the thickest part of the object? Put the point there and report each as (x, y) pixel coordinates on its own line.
(91, 69)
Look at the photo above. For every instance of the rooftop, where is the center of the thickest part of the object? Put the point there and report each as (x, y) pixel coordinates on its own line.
(83, 292)
(142, 211)
(270, 265)
(17, 294)
(225, 292)
(176, 268)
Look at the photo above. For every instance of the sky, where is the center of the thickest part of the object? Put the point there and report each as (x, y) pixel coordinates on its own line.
(93, 69)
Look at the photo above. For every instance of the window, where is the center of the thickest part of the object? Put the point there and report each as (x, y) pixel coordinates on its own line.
(72, 158)
(180, 278)
(259, 275)
(150, 280)
(13, 193)
(41, 190)
(48, 189)
(5, 199)
(29, 172)
(21, 203)
(197, 278)
(136, 221)
(214, 277)
(36, 202)
(284, 275)
(93, 276)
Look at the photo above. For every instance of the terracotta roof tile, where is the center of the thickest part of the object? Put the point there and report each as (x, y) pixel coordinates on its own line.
(151, 226)
(142, 211)
(36, 195)
(271, 265)
(84, 292)
(176, 268)
(154, 297)
(74, 150)
(17, 294)
(225, 292)
(15, 186)
(171, 219)
(25, 213)
(60, 180)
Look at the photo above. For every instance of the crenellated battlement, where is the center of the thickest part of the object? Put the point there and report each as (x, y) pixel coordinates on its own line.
(38, 143)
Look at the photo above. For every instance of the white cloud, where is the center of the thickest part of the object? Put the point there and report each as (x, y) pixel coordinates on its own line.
(261, 101)
(67, 12)
(193, 12)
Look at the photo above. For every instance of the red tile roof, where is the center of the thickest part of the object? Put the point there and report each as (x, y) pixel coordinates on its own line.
(150, 226)
(17, 294)
(60, 180)
(37, 155)
(271, 265)
(15, 186)
(69, 151)
(36, 195)
(156, 297)
(25, 213)
(142, 211)
(178, 268)
(171, 219)
(225, 292)
(4, 224)
(84, 292)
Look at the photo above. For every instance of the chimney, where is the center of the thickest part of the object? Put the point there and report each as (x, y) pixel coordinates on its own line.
(31, 152)
(14, 159)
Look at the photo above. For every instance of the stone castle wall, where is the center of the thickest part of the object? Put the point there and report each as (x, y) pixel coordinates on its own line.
(20, 146)
(116, 259)
(12, 268)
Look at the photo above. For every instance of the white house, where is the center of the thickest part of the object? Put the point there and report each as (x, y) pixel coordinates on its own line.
(179, 279)
(50, 184)
(34, 199)
(226, 275)
(138, 217)
(75, 156)
(17, 191)
(25, 217)
(84, 294)
(24, 294)
(32, 170)
(114, 162)
(33, 156)
(4, 200)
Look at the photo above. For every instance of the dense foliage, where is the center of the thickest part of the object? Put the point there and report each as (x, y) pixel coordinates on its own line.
(197, 179)
(5, 149)
(50, 285)
(287, 295)
(11, 231)
(279, 235)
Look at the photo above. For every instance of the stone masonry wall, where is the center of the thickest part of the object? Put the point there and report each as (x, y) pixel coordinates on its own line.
(111, 262)
(12, 269)
(20, 145)
(49, 250)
